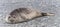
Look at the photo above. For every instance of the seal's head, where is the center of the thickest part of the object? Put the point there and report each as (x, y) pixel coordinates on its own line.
(12, 19)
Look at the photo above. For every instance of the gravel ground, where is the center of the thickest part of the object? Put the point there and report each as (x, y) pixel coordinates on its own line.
(53, 6)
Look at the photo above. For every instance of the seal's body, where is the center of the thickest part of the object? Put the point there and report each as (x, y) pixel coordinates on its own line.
(24, 14)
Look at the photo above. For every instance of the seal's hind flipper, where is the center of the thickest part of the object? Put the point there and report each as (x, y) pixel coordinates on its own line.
(47, 14)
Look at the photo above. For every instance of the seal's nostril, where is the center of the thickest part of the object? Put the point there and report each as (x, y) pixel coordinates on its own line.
(11, 20)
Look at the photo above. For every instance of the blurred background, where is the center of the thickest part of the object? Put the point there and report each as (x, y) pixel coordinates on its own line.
(53, 6)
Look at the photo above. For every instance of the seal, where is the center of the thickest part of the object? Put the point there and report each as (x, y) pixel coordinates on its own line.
(24, 14)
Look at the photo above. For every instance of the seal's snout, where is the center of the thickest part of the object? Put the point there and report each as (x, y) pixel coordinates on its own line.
(11, 20)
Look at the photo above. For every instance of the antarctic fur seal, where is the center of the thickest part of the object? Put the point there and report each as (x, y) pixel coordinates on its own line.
(24, 14)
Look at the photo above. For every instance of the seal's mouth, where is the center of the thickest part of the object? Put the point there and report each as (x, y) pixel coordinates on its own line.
(12, 22)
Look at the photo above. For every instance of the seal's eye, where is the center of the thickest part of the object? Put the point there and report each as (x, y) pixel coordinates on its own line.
(13, 17)
(9, 17)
